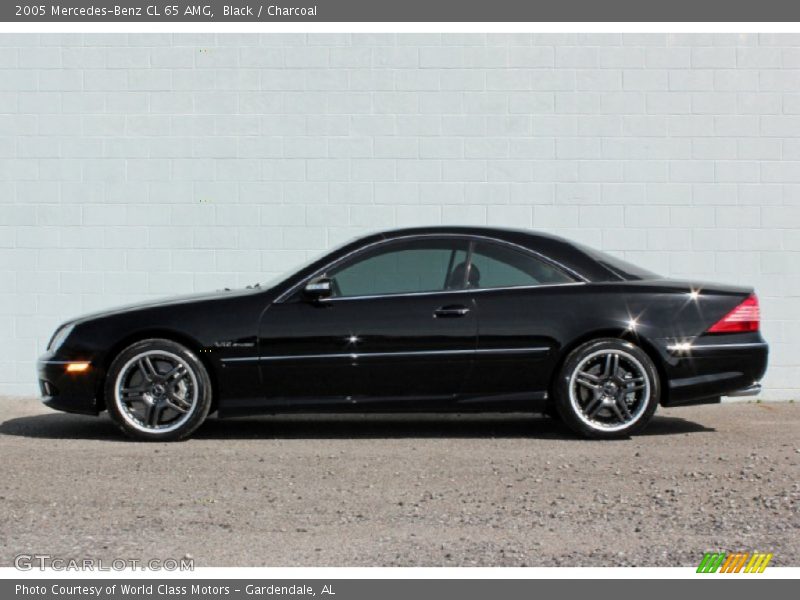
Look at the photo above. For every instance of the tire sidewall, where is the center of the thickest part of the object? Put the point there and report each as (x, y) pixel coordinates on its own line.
(561, 389)
(204, 392)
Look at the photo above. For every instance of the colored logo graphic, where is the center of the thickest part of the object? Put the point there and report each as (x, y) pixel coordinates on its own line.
(739, 562)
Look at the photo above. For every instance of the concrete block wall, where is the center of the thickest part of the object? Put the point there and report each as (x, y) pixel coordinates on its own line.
(140, 165)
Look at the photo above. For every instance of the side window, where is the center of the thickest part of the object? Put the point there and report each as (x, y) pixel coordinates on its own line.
(497, 265)
(403, 267)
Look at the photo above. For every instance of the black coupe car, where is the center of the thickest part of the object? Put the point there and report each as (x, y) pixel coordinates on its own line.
(440, 319)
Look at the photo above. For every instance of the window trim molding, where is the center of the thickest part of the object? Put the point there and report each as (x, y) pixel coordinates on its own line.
(448, 292)
(470, 238)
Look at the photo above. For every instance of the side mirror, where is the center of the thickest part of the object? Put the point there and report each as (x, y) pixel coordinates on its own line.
(319, 288)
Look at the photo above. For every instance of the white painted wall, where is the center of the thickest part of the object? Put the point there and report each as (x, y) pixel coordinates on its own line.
(134, 166)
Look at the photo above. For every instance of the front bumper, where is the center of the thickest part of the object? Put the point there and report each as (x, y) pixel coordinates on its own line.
(709, 367)
(69, 392)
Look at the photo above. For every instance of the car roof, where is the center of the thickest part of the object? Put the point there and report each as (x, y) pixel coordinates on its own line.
(558, 249)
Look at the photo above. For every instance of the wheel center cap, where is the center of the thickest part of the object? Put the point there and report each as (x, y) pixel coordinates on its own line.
(610, 388)
(158, 390)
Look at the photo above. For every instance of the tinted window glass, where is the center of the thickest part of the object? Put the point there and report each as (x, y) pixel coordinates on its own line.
(403, 267)
(497, 265)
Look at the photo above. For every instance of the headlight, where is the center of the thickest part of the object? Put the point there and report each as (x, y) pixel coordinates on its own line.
(60, 336)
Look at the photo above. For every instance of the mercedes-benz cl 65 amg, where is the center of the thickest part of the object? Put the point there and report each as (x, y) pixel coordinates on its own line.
(439, 319)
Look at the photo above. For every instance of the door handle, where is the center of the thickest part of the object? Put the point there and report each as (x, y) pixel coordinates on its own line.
(450, 311)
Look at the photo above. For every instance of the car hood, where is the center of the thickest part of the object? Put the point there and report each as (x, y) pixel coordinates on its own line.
(170, 301)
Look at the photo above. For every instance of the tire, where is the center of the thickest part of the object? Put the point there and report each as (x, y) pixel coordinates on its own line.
(158, 390)
(607, 388)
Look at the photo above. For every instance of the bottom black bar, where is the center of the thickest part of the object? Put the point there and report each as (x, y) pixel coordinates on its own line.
(388, 589)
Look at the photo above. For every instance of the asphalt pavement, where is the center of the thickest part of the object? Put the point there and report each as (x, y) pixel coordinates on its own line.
(385, 490)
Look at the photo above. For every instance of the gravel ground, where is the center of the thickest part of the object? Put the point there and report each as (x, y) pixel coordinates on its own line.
(494, 490)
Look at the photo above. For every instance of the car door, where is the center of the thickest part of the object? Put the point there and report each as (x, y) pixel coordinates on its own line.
(522, 308)
(399, 328)
(413, 325)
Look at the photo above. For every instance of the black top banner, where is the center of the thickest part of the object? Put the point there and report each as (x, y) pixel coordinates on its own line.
(176, 11)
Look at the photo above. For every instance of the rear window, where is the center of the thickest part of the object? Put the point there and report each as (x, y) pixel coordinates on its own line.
(622, 268)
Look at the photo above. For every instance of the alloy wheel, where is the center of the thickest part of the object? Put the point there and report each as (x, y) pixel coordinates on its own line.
(609, 390)
(156, 391)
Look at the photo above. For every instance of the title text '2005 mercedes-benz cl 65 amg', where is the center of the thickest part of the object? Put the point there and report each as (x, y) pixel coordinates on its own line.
(438, 319)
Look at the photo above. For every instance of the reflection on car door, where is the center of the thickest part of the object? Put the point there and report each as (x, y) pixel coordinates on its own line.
(412, 325)
(400, 328)
(519, 310)
(410, 349)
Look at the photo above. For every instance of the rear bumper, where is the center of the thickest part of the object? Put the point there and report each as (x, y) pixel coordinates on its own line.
(68, 392)
(709, 367)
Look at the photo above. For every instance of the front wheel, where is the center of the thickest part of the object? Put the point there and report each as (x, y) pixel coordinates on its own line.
(607, 388)
(158, 390)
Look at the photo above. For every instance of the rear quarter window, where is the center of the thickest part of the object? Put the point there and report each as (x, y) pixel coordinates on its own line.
(497, 265)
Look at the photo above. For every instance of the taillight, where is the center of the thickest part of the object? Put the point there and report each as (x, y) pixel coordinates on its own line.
(745, 317)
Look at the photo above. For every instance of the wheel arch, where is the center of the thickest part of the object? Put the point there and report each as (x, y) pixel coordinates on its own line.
(617, 333)
(159, 333)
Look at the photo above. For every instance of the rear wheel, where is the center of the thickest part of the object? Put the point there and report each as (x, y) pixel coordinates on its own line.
(607, 388)
(158, 390)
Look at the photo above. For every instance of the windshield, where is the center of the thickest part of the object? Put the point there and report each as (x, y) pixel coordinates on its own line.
(619, 267)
